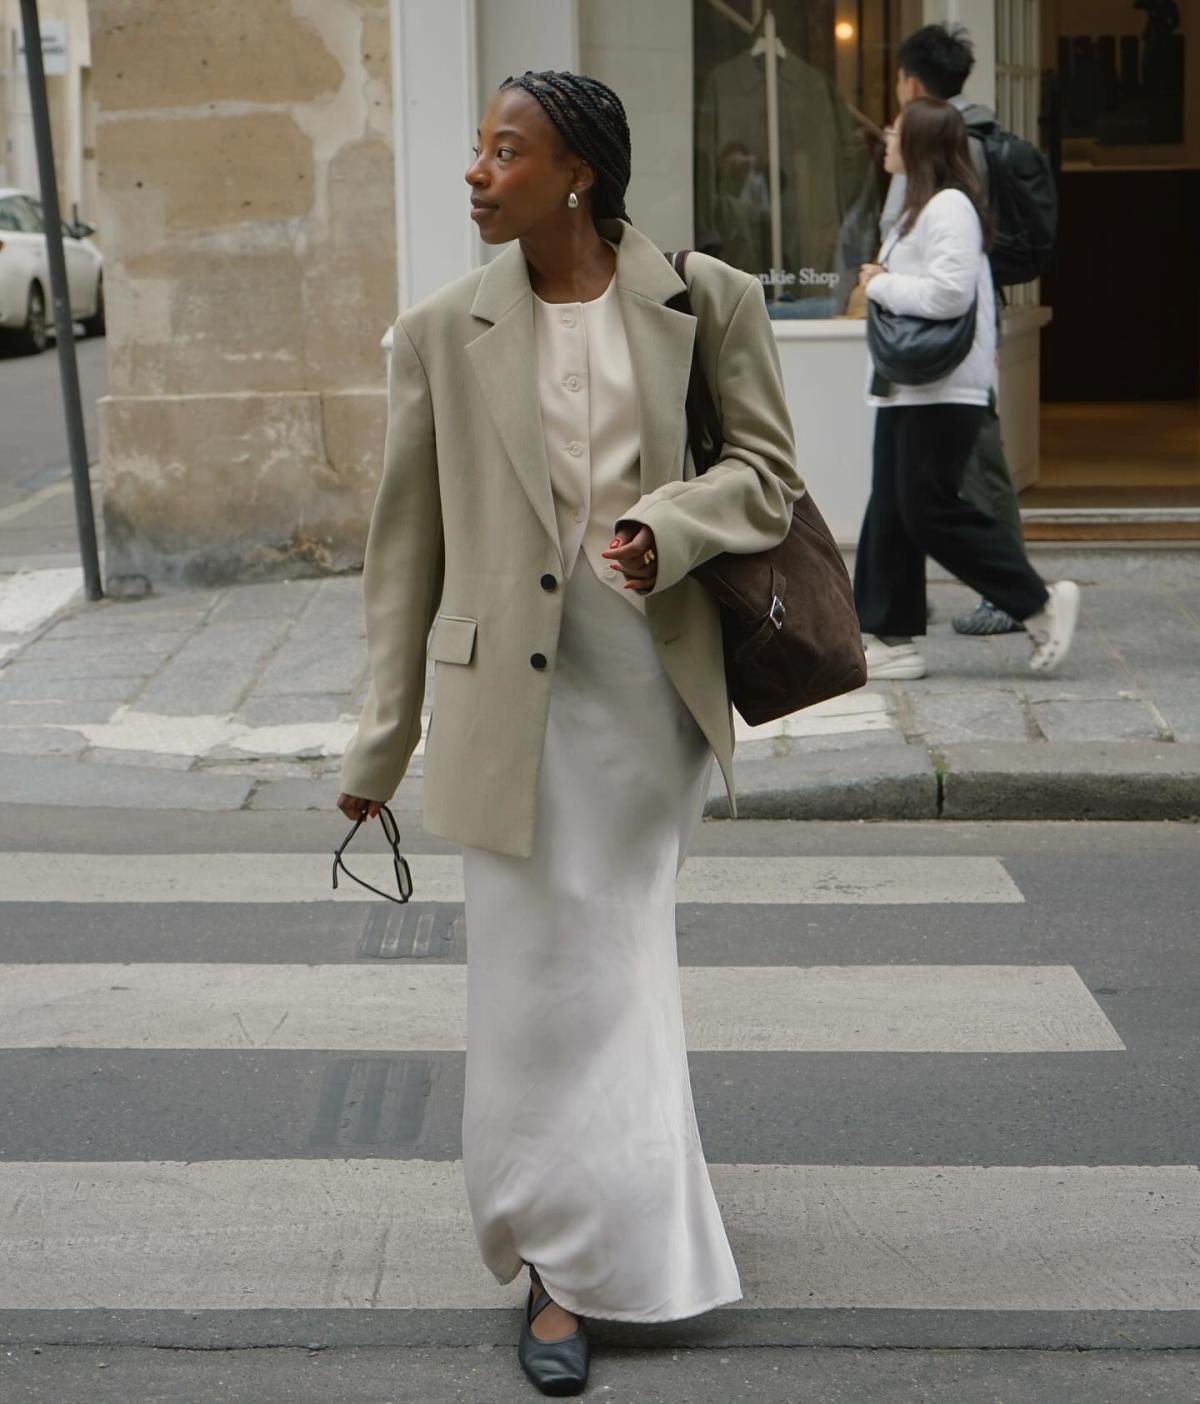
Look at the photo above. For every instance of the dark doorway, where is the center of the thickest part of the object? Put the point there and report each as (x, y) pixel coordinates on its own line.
(1125, 288)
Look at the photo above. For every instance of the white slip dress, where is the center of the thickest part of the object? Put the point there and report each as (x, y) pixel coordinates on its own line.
(581, 1152)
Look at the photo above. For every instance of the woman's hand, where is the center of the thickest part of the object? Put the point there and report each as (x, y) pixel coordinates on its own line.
(869, 271)
(632, 553)
(354, 807)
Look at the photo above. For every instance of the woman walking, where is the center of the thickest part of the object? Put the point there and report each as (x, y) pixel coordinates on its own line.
(539, 510)
(934, 265)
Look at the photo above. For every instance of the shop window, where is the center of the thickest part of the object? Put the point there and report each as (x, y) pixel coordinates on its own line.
(773, 164)
(1126, 74)
(1121, 87)
(788, 178)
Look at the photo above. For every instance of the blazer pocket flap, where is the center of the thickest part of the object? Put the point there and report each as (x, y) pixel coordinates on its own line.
(453, 639)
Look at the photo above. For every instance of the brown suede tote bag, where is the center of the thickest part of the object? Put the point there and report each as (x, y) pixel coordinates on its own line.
(788, 622)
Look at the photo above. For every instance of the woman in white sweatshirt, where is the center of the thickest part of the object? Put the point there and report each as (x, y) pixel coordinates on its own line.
(934, 264)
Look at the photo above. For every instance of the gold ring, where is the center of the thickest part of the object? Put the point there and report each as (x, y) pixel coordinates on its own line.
(648, 556)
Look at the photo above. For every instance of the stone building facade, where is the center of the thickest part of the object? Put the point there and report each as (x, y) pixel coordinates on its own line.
(278, 178)
(247, 194)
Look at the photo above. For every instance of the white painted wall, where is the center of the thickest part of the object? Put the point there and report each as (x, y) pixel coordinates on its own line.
(435, 103)
(979, 18)
(519, 35)
(644, 52)
(516, 35)
(825, 371)
(1019, 391)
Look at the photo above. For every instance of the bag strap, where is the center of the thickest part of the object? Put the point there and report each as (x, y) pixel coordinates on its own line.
(705, 436)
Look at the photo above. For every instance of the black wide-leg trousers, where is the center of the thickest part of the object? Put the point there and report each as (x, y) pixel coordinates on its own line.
(915, 511)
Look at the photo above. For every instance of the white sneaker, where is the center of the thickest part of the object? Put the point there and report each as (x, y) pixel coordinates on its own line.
(895, 661)
(1052, 628)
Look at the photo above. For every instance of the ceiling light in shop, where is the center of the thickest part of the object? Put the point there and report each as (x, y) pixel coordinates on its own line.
(843, 30)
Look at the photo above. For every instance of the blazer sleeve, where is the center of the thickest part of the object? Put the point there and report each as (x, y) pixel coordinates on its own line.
(953, 247)
(402, 583)
(743, 503)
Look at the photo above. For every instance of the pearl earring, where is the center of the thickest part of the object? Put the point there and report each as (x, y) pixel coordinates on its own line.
(572, 201)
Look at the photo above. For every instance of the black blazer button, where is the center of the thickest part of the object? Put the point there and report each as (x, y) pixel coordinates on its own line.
(539, 661)
(549, 582)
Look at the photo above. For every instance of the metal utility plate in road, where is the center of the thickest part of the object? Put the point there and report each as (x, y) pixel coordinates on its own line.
(418, 931)
(375, 1102)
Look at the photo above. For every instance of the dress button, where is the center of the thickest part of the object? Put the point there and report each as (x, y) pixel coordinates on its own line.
(577, 516)
(575, 448)
(572, 382)
(568, 319)
(538, 660)
(549, 582)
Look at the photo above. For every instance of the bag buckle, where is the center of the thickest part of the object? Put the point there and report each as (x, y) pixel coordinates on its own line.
(776, 612)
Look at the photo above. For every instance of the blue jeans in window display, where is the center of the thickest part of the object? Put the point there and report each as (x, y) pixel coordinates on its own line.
(801, 308)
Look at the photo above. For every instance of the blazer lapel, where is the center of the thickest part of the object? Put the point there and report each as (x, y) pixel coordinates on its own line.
(504, 359)
(660, 348)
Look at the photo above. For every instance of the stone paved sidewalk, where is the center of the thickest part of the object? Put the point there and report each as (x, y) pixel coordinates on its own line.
(245, 698)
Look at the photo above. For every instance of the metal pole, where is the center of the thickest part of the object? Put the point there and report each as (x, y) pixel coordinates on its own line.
(85, 521)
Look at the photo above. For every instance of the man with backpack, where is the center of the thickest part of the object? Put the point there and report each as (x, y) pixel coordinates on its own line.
(935, 62)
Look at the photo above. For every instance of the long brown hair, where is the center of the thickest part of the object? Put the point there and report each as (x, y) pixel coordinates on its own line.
(933, 147)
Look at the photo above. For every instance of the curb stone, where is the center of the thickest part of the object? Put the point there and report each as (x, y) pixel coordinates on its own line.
(59, 780)
(880, 783)
(1139, 780)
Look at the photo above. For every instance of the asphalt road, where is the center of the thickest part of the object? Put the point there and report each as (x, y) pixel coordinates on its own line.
(37, 516)
(948, 1104)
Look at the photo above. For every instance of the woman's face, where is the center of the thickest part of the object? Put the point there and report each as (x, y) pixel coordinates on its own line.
(892, 162)
(522, 171)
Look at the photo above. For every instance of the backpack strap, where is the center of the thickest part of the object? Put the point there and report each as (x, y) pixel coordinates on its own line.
(704, 432)
(978, 150)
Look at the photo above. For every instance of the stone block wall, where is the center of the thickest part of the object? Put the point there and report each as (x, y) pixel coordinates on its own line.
(247, 196)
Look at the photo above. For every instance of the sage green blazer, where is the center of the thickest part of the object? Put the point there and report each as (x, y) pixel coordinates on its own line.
(463, 539)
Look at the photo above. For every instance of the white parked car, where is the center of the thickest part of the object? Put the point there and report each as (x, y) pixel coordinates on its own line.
(26, 314)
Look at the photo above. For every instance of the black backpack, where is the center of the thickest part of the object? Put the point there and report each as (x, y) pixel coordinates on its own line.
(1024, 204)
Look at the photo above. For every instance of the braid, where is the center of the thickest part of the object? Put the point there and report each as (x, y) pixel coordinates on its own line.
(591, 119)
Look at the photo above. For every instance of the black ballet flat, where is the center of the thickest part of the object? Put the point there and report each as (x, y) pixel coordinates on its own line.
(555, 1367)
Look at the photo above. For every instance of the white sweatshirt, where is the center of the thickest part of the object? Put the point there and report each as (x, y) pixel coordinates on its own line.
(935, 270)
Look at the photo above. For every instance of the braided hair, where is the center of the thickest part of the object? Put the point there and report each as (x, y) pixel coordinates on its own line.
(591, 120)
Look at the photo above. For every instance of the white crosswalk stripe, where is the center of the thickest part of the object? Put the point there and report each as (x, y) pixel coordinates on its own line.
(248, 1234)
(857, 1008)
(305, 877)
(334, 1234)
(30, 597)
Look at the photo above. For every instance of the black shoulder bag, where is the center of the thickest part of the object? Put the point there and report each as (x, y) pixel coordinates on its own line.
(908, 350)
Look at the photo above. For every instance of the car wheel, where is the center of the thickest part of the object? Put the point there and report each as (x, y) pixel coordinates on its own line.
(95, 324)
(33, 337)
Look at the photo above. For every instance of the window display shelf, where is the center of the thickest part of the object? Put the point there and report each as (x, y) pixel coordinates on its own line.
(1014, 322)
